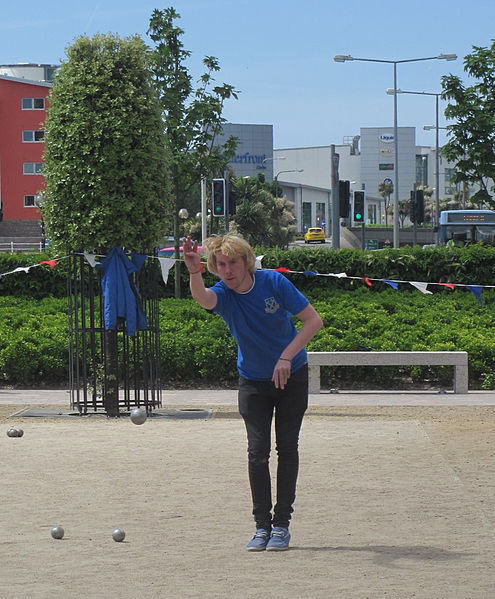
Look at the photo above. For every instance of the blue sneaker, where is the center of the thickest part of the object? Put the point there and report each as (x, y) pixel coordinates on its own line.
(259, 541)
(279, 539)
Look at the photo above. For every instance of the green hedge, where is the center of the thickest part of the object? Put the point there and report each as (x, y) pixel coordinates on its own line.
(469, 265)
(40, 281)
(196, 346)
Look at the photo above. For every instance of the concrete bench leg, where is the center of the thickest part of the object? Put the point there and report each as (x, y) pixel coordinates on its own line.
(314, 379)
(461, 379)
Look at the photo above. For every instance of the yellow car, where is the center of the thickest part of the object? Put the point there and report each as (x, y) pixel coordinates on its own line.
(314, 234)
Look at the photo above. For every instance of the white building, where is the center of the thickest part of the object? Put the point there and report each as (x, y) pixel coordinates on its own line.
(366, 161)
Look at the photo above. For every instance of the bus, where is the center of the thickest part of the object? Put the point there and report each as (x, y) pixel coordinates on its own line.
(461, 227)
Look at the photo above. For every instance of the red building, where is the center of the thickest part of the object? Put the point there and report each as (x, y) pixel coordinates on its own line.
(23, 103)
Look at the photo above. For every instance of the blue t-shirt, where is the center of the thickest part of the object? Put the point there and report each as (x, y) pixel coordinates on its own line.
(260, 321)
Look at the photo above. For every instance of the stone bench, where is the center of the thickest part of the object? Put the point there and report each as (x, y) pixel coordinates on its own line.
(457, 359)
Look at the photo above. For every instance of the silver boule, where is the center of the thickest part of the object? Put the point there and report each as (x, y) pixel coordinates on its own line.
(11, 432)
(138, 416)
(20, 432)
(57, 532)
(118, 535)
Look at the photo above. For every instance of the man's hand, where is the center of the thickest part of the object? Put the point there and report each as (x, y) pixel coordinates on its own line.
(191, 256)
(281, 373)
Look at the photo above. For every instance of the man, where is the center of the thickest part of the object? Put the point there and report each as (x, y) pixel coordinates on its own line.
(257, 306)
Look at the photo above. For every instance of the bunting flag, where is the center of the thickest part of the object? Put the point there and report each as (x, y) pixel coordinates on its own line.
(167, 263)
(476, 290)
(421, 287)
(50, 262)
(91, 258)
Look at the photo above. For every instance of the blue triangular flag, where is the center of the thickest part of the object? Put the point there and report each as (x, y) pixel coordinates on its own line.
(476, 289)
(392, 284)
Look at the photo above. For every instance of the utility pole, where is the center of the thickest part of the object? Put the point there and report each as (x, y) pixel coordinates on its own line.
(334, 175)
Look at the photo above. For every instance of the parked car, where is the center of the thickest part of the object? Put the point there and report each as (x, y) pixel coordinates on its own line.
(316, 234)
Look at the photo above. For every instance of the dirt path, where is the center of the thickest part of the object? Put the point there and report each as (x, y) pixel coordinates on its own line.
(392, 502)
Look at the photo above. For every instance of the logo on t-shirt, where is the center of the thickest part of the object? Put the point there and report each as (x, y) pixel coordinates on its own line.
(271, 305)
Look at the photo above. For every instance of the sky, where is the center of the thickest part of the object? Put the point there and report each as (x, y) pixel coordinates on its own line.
(279, 54)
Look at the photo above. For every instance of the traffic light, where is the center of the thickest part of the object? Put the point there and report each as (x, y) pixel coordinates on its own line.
(420, 206)
(218, 197)
(412, 207)
(344, 195)
(232, 200)
(417, 206)
(359, 202)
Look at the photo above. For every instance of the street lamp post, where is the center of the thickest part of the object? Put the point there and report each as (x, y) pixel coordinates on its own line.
(345, 58)
(437, 148)
(265, 160)
(292, 170)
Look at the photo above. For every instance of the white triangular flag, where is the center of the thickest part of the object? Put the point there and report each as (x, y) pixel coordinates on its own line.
(22, 269)
(257, 263)
(166, 264)
(91, 258)
(421, 287)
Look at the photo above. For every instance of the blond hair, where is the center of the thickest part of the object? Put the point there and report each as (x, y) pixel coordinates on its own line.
(229, 245)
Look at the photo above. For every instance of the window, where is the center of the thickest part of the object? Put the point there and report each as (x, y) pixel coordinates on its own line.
(320, 214)
(32, 168)
(306, 215)
(31, 201)
(422, 169)
(371, 220)
(450, 186)
(33, 103)
(32, 136)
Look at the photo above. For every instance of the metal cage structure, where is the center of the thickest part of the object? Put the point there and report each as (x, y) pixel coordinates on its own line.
(110, 371)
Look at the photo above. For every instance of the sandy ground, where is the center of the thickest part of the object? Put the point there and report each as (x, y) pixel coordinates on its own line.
(392, 502)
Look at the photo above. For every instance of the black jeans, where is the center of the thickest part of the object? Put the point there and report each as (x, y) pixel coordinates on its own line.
(258, 400)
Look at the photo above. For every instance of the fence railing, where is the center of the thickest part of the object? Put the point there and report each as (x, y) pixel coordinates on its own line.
(18, 246)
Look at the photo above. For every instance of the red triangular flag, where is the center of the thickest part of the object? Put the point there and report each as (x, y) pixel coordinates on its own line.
(281, 269)
(50, 262)
(449, 285)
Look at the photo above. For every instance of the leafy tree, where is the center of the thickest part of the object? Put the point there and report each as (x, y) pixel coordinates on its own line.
(472, 136)
(404, 210)
(193, 117)
(429, 208)
(386, 190)
(105, 158)
(262, 217)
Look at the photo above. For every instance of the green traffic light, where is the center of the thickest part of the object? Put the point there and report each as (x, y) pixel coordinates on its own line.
(358, 216)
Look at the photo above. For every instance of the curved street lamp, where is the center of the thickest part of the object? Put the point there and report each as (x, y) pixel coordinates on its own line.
(437, 148)
(292, 170)
(346, 58)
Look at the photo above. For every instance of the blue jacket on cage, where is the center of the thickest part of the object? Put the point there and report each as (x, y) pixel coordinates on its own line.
(121, 301)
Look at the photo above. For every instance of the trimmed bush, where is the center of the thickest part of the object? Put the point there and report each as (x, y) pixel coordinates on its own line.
(197, 347)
